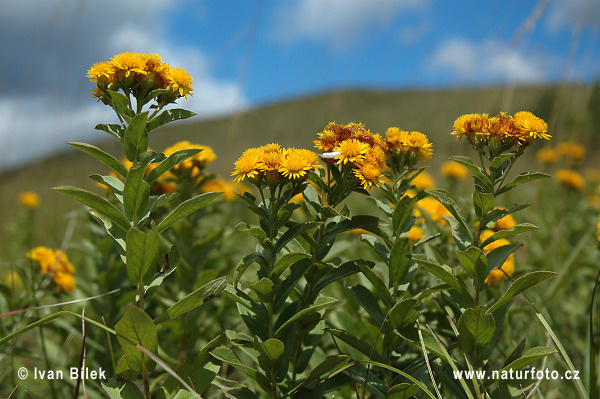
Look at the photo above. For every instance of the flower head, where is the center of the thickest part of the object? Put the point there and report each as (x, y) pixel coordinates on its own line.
(570, 179)
(571, 150)
(433, 208)
(415, 234)
(423, 181)
(126, 64)
(220, 185)
(530, 127)
(180, 81)
(297, 162)
(454, 170)
(469, 125)
(248, 164)
(369, 174)
(29, 199)
(418, 145)
(352, 151)
(505, 223)
(55, 263)
(199, 160)
(546, 156)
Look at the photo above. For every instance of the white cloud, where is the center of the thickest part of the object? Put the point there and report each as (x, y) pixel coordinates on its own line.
(489, 61)
(48, 48)
(337, 22)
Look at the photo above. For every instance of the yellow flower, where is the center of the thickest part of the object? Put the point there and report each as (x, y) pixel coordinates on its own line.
(369, 174)
(200, 160)
(469, 125)
(530, 127)
(505, 223)
(128, 63)
(220, 185)
(56, 264)
(570, 179)
(297, 199)
(297, 162)
(546, 156)
(415, 234)
(423, 181)
(352, 151)
(418, 144)
(102, 72)
(433, 208)
(358, 231)
(571, 150)
(395, 139)
(508, 268)
(454, 170)
(180, 81)
(248, 164)
(271, 157)
(327, 141)
(65, 281)
(29, 199)
(376, 156)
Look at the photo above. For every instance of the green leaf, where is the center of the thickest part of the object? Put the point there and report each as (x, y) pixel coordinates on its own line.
(186, 208)
(293, 232)
(356, 222)
(517, 229)
(403, 391)
(167, 116)
(402, 212)
(437, 270)
(113, 129)
(121, 104)
(102, 156)
(226, 355)
(115, 185)
(136, 192)
(530, 356)
(380, 288)
(312, 200)
(262, 288)
(320, 303)
(483, 203)
(400, 260)
(136, 137)
(193, 300)
(479, 174)
(142, 253)
(328, 365)
(369, 303)
(121, 389)
(137, 328)
(344, 270)
(475, 328)
(271, 352)
(355, 342)
(497, 257)
(520, 285)
(99, 204)
(474, 262)
(172, 160)
(520, 179)
(287, 260)
(444, 197)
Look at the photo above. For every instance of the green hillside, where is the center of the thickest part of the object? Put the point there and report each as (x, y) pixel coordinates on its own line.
(295, 123)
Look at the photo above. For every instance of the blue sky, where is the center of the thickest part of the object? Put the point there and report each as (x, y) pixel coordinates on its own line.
(244, 53)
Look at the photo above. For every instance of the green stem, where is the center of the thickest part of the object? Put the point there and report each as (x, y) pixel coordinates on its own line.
(47, 361)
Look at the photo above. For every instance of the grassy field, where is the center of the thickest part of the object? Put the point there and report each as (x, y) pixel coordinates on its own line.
(295, 123)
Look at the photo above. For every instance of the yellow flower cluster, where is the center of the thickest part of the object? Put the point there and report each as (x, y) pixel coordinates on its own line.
(570, 179)
(508, 268)
(29, 199)
(195, 164)
(433, 208)
(572, 152)
(141, 73)
(502, 131)
(368, 153)
(413, 145)
(55, 263)
(273, 164)
(352, 144)
(505, 223)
